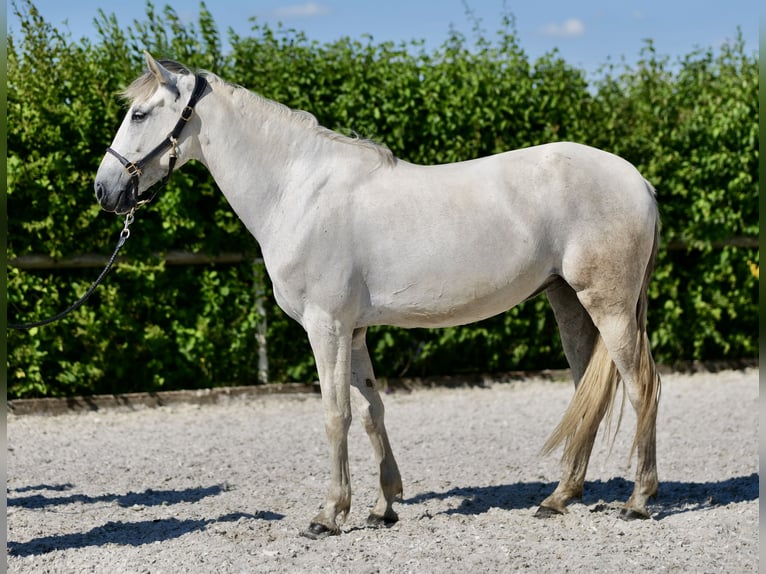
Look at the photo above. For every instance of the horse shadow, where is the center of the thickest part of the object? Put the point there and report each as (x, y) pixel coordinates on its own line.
(124, 533)
(149, 497)
(674, 497)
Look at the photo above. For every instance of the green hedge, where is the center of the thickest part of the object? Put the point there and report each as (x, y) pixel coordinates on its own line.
(691, 126)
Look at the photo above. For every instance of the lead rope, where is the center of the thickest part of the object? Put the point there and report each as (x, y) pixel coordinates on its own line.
(124, 234)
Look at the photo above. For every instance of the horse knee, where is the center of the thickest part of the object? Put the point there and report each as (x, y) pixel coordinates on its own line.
(336, 426)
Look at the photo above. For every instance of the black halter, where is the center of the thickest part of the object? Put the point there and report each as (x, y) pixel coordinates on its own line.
(134, 169)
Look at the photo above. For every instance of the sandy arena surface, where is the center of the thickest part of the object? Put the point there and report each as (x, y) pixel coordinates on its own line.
(228, 487)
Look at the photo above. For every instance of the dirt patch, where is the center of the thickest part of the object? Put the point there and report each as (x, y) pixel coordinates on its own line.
(227, 487)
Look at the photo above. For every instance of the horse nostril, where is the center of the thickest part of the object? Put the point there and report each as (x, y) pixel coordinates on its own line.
(99, 191)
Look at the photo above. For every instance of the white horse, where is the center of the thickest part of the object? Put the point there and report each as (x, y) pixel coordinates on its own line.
(352, 236)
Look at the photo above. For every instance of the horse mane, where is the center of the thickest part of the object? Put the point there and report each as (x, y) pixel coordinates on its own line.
(146, 84)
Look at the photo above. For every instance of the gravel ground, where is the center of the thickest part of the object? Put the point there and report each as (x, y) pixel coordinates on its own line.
(227, 488)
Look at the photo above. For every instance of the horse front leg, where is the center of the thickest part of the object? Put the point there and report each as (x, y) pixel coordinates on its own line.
(332, 352)
(368, 404)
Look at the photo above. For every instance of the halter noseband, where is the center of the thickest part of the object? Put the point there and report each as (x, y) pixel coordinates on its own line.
(134, 169)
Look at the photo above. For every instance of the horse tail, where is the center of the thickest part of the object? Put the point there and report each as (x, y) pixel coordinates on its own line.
(592, 402)
(647, 369)
(595, 394)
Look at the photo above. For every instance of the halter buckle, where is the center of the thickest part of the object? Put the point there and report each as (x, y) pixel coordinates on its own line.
(133, 170)
(187, 113)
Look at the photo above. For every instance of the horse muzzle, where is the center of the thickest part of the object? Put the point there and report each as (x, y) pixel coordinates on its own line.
(121, 200)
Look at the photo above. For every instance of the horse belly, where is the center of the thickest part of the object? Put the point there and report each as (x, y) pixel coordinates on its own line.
(442, 292)
(442, 310)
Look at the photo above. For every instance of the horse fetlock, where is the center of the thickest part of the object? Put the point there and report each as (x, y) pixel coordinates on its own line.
(554, 505)
(384, 508)
(635, 507)
(393, 489)
(646, 486)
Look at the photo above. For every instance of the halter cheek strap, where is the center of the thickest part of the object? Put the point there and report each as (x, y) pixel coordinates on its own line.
(135, 169)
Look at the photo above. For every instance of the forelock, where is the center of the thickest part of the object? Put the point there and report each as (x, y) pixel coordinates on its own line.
(142, 88)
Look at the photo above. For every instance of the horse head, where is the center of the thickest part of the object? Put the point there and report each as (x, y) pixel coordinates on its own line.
(161, 106)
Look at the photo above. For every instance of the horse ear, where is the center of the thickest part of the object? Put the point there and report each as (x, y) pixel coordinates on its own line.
(163, 76)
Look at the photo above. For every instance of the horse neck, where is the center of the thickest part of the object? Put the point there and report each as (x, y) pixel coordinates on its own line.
(260, 157)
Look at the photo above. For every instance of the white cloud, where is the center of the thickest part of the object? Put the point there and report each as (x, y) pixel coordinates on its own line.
(571, 28)
(306, 10)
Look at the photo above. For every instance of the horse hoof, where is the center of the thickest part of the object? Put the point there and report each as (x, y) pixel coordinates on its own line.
(317, 531)
(547, 512)
(376, 521)
(630, 514)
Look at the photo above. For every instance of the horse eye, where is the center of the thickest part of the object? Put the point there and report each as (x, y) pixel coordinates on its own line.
(138, 116)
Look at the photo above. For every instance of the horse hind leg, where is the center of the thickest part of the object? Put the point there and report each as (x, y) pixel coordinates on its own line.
(629, 347)
(591, 371)
(643, 386)
(614, 295)
(369, 406)
(625, 339)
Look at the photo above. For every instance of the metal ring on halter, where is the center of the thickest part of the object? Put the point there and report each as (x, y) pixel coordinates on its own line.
(125, 233)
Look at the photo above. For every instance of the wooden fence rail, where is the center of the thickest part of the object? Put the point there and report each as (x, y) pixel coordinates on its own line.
(179, 258)
(174, 258)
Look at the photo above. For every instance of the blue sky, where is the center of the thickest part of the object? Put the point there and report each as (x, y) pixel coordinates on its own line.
(587, 33)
